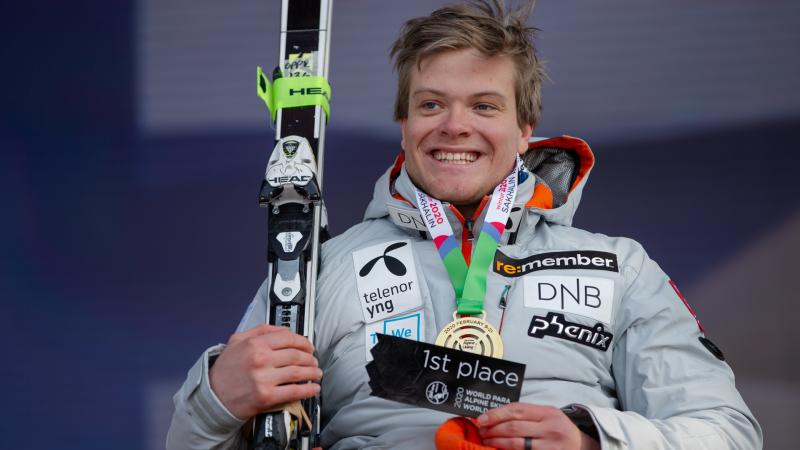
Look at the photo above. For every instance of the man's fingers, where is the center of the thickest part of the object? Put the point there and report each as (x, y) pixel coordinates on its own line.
(509, 443)
(515, 411)
(292, 357)
(278, 340)
(290, 393)
(255, 331)
(295, 374)
(272, 337)
(512, 428)
(509, 425)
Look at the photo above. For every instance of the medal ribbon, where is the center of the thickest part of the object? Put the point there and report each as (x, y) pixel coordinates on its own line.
(469, 282)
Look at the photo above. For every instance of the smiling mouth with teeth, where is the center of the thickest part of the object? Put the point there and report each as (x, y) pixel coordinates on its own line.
(455, 158)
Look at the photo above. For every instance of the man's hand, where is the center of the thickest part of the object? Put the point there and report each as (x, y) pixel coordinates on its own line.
(507, 427)
(260, 367)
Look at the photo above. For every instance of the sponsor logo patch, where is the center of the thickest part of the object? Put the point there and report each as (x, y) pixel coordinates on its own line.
(393, 265)
(582, 259)
(590, 297)
(406, 218)
(406, 327)
(555, 325)
(386, 278)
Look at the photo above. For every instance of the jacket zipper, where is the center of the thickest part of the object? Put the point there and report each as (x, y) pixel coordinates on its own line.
(466, 240)
(502, 305)
(466, 228)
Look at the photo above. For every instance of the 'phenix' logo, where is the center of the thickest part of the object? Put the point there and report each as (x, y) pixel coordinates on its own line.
(394, 265)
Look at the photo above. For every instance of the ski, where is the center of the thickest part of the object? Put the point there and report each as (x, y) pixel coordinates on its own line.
(298, 100)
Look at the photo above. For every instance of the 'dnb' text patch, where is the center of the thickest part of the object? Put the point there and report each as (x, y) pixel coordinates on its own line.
(591, 297)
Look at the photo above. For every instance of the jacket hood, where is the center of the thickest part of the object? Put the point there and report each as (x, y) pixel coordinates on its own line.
(560, 168)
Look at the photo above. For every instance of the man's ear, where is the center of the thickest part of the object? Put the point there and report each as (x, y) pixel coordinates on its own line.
(403, 133)
(525, 133)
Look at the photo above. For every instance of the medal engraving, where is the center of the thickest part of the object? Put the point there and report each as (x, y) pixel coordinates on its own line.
(471, 334)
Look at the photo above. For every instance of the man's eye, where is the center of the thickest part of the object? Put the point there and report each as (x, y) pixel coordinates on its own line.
(429, 105)
(485, 107)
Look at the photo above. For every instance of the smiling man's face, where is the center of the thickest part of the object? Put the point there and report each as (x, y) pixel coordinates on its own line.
(461, 135)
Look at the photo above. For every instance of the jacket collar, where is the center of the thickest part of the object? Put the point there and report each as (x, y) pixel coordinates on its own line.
(557, 171)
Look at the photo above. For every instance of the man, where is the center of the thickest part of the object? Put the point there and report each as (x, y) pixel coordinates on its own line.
(614, 357)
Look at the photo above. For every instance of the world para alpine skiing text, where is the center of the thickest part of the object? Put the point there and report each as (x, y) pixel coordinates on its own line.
(477, 401)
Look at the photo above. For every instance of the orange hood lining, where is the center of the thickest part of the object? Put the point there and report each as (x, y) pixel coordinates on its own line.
(395, 172)
(542, 195)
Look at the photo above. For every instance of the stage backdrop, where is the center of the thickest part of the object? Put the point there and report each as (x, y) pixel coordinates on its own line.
(133, 145)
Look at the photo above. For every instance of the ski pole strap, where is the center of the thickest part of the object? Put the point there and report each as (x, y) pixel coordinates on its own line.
(293, 92)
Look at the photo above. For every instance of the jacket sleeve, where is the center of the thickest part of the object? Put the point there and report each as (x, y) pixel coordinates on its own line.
(200, 420)
(674, 392)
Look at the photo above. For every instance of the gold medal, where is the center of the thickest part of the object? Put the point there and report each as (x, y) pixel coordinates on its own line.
(471, 334)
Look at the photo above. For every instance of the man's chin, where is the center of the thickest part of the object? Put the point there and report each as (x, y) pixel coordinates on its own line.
(451, 189)
(457, 198)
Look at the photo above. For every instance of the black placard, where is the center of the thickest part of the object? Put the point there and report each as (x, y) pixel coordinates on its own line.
(440, 378)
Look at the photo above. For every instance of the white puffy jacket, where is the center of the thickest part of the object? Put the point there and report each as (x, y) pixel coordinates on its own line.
(603, 331)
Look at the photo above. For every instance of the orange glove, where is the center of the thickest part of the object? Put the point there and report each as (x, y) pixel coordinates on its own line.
(459, 433)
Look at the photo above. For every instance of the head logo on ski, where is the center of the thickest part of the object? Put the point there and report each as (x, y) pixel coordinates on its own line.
(290, 149)
(292, 163)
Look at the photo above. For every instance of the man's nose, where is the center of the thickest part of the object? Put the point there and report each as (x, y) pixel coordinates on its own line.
(456, 123)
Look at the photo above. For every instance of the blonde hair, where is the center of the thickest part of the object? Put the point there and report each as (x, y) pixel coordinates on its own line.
(483, 25)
